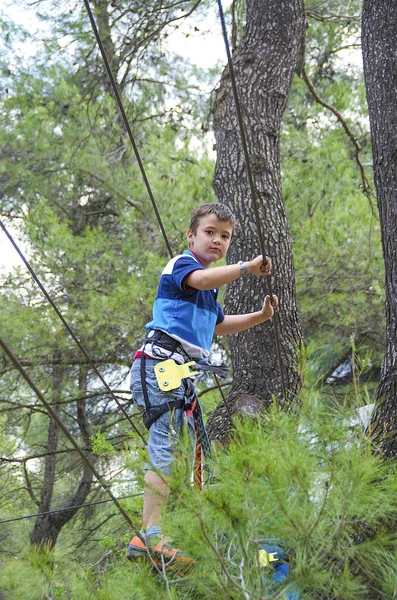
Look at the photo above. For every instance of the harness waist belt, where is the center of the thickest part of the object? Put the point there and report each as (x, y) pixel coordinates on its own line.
(168, 343)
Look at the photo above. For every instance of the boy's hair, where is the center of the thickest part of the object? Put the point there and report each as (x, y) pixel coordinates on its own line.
(221, 211)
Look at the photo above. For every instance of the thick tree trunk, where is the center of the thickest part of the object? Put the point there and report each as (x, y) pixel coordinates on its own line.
(265, 61)
(379, 40)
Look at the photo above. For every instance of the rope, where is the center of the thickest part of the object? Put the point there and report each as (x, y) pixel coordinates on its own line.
(128, 128)
(69, 329)
(57, 510)
(126, 123)
(229, 414)
(59, 314)
(251, 183)
(65, 431)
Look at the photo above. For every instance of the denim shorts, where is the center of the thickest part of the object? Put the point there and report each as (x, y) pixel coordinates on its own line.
(164, 433)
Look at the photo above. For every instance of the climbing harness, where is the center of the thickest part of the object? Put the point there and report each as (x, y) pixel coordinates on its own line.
(162, 346)
(152, 413)
(189, 403)
(170, 375)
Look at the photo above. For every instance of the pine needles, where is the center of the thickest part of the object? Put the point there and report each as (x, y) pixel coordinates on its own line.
(306, 483)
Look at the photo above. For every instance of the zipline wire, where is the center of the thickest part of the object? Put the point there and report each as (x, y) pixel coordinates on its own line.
(57, 510)
(126, 123)
(13, 358)
(69, 329)
(66, 432)
(251, 184)
(137, 154)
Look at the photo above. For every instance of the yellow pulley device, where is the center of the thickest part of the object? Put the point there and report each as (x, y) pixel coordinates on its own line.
(265, 558)
(169, 374)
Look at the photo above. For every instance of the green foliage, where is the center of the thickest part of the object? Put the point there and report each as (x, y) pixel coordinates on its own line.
(100, 445)
(310, 483)
(307, 481)
(69, 178)
(338, 258)
(70, 181)
(334, 229)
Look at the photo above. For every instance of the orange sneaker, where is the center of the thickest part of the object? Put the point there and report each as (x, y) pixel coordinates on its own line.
(136, 548)
(160, 552)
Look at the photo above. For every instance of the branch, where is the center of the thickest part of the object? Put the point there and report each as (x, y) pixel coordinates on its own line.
(214, 387)
(25, 459)
(32, 407)
(366, 187)
(92, 530)
(119, 193)
(29, 487)
(332, 18)
(73, 362)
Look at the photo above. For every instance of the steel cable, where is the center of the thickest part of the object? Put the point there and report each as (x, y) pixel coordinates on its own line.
(126, 123)
(66, 508)
(69, 329)
(53, 414)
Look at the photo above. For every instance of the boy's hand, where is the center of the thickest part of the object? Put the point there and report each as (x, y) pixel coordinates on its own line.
(269, 307)
(256, 266)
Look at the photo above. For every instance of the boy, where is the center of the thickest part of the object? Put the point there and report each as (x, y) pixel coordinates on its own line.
(185, 316)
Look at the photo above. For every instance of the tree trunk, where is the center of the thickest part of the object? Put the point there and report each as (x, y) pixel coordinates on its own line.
(379, 40)
(105, 33)
(264, 63)
(42, 534)
(48, 526)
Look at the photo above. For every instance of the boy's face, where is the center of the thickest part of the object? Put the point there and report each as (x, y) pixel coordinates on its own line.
(212, 239)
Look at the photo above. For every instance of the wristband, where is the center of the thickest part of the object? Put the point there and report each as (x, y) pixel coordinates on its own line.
(243, 268)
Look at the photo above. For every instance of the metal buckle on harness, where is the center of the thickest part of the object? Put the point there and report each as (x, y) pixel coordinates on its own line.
(169, 374)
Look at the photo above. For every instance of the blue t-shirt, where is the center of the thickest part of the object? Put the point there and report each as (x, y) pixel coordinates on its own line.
(186, 314)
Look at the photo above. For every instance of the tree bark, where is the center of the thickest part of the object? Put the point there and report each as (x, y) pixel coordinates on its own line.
(104, 30)
(270, 52)
(379, 41)
(48, 526)
(42, 534)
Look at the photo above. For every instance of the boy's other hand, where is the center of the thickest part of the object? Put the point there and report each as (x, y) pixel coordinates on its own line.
(269, 307)
(256, 266)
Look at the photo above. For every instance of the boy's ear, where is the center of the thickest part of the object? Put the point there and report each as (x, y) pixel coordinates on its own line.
(189, 235)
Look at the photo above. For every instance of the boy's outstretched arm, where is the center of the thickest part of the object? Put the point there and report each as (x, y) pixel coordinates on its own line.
(207, 279)
(236, 323)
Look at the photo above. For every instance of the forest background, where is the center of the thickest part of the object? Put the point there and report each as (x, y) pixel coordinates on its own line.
(73, 194)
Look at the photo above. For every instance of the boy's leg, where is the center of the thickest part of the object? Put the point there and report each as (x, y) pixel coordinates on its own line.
(155, 499)
(164, 434)
(156, 494)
